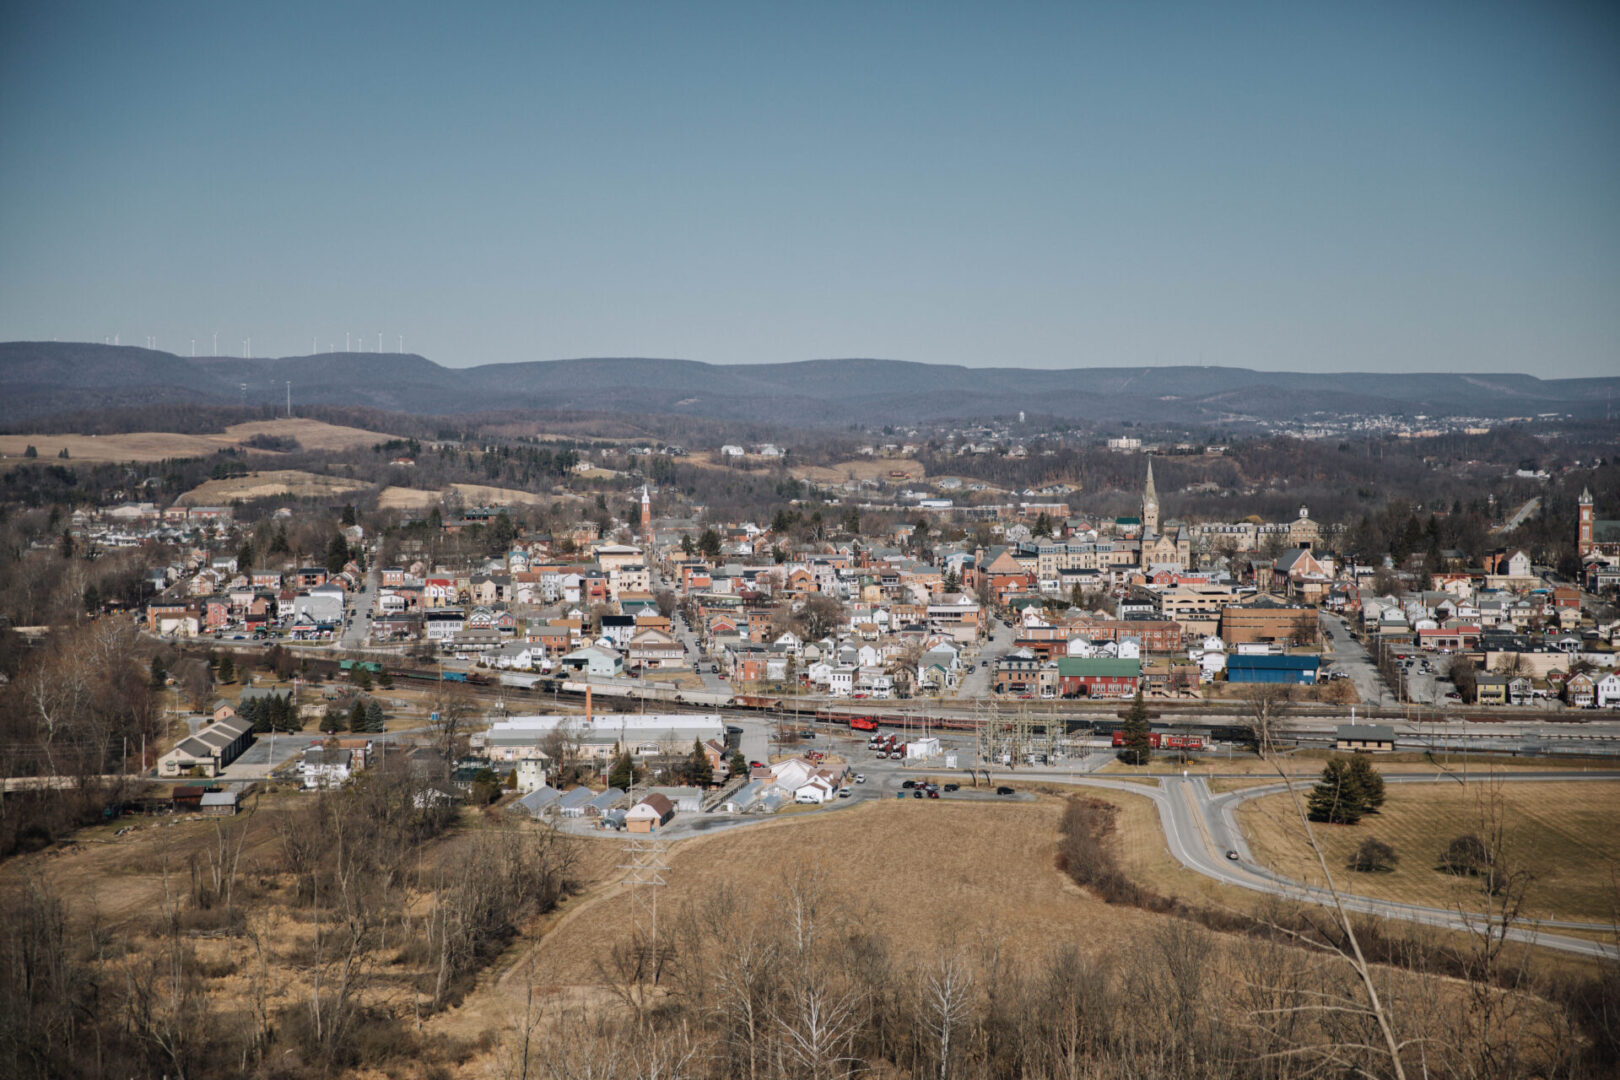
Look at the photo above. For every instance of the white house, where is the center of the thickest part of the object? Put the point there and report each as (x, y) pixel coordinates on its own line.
(817, 789)
(325, 767)
(1608, 691)
(841, 680)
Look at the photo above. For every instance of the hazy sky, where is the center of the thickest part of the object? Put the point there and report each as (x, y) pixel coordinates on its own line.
(1391, 186)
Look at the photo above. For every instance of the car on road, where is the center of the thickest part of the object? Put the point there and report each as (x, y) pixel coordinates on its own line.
(909, 784)
(1232, 855)
(953, 787)
(860, 778)
(843, 792)
(1004, 790)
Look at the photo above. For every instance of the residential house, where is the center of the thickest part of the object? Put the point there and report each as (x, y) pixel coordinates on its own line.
(650, 814)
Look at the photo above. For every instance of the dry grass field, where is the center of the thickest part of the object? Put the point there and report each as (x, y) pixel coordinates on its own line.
(404, 498)
(1567, 835)
(267, 485)
(158, 445)
(916, 870)
(863, 468)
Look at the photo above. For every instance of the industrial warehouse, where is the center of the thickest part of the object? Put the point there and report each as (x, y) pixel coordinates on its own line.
(642, 734)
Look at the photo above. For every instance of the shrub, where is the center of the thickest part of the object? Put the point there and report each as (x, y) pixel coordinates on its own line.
(1466, 854)
(1373, 856)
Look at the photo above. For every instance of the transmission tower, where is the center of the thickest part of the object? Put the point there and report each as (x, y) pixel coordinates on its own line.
(645, 875)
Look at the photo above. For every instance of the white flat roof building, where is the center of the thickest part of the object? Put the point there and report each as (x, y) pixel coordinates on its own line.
(640, 733)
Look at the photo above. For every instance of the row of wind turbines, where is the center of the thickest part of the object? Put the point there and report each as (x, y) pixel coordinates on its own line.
(351, 343)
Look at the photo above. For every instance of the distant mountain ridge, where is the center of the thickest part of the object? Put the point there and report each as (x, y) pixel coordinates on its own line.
(43, 378)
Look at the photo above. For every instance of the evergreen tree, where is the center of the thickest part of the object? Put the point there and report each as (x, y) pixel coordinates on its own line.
(362, 677)
(698, 767)
(739, 764)
(1138, 749)
(66, 546)
(278, 542)
(1370, 781)
(623, 773)
(375, 720)
(1043, 525)
(160, 672)
(254, 712)
(31, 452)
(284, 714)
(337, 553)
(709, 543)
(687, 547)
(1337, 796)
(333, 720)
(244, 556)
(348, 515)
(227, 668)
(357, 716)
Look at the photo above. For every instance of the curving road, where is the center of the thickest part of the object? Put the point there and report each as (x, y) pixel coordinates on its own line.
(1200, 828)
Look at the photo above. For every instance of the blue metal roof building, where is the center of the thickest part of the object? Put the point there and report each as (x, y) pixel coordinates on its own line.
(1300, 670)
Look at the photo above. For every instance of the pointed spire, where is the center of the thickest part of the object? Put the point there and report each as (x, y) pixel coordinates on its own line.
(1150, 492)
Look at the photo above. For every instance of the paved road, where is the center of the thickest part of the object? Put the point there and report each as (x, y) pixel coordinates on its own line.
(1519, 519)
(1350, 658)
(976, 684)
(1200, 828)
(683, 631)
(359, 615)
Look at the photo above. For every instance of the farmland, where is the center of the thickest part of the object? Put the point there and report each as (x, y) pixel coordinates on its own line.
(158, 445)
(272, 483)
(405, 498)
(862, 468)
(1566, 835)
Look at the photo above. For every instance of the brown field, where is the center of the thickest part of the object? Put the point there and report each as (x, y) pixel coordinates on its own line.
(266, 485)
(404, 498)
(158, 445)
(863, 468)
(1567, 835)
(969, 867)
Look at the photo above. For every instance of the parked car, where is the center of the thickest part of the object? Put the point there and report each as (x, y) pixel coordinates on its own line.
(909, 784)
(933, 794)
(843, 792)
(953, 787)
(1004, 790)
(860, 778)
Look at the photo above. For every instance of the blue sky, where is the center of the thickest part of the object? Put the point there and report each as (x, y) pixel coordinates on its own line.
(1375, 186)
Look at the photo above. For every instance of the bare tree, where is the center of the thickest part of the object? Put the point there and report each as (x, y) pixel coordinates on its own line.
(453, 710)
(1267, 704)
(947, 998)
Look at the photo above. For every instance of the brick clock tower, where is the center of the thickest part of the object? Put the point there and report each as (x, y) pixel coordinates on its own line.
(1583, 533)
